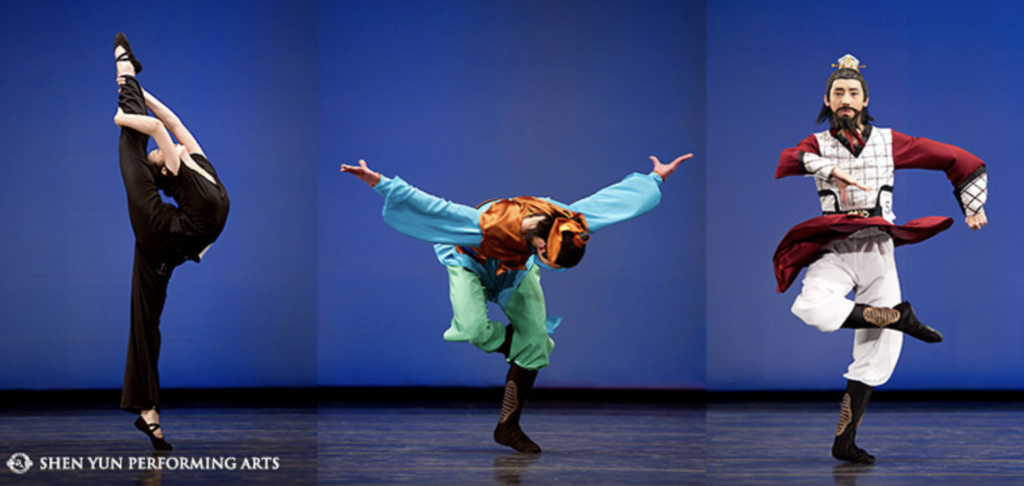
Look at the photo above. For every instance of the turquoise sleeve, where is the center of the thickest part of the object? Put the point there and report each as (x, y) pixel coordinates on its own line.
(633, 196)
(426, 217)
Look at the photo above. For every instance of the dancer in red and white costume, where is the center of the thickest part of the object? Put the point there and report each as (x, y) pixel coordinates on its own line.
(850, 247)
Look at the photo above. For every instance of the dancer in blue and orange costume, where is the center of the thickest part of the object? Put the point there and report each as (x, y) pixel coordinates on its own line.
(494, 253)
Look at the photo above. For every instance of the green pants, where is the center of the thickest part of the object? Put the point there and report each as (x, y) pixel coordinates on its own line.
(531, 344)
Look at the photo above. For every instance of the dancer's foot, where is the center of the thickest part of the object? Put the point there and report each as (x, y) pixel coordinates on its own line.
(900, 317)
(124, 66)
(126, 61)
(518, 385)
(512, 435)
(151, 416)
(851, 412)
(850, 452)
(152, 430)
(909, 324)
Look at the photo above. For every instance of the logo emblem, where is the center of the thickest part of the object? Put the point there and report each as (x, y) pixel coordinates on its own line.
(19, 463)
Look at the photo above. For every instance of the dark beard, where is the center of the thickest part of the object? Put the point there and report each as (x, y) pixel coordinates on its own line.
(842, 123)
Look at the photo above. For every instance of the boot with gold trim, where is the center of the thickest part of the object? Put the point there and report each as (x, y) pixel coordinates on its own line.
(855, 401)
(900, 317)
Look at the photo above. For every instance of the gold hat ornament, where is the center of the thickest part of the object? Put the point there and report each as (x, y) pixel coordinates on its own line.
(848, 62)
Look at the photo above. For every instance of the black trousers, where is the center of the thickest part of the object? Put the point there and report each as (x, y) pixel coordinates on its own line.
(150, 276)
(164, 238)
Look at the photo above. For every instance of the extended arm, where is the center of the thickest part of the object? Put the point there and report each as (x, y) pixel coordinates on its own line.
(633, 196)
(173, 123)
(963, 169)
(804, 159)
(154, 128)
(420, 215)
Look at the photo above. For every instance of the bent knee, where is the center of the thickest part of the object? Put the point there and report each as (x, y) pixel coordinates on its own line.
(534, 355)
(825, 315)
(475, 330)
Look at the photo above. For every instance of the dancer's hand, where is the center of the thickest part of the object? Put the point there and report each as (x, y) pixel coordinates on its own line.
(362, 172)
(978, 220)
(665, 170)
(844, 180)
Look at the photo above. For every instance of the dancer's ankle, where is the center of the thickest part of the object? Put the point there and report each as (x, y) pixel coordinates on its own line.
(151, 416)
(123, 67)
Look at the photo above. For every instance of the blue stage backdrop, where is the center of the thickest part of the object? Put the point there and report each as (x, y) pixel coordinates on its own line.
(241, 76)
(473, 100)
(942, 70)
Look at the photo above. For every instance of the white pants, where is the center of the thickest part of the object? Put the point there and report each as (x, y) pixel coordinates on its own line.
(862, 263)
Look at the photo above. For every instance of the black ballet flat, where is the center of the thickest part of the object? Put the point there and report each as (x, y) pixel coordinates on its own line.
(121, 40)
(158, 443)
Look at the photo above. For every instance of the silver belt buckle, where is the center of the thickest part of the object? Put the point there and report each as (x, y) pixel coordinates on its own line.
(860, 212)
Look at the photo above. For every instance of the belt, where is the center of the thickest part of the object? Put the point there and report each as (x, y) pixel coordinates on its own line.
(864, 213)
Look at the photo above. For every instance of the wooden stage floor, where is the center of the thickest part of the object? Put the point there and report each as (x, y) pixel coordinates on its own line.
(452, 445)
(915, 443)
(740, 443)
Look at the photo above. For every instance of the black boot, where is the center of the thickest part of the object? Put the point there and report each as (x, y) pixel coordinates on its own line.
(855, 402)
(121, 40)
(898, 318)
(506, 346)
(518, 385)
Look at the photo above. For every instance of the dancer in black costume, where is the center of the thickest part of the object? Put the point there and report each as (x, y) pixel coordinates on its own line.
(165, 235)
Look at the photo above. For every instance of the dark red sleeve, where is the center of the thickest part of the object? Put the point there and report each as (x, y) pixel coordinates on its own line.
(791, 161)
(922, 153)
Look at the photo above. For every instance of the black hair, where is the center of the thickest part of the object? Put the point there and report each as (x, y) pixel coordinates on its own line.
(844, 73)
(543, 228)
(163, 183)
(570, 255)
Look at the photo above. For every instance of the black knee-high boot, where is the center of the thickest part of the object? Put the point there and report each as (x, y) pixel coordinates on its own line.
(855, 401)
(518, 385)
(899, 318)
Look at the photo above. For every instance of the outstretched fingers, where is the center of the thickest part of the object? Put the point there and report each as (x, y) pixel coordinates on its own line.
(682, 158)
(665, 170)
(362, 172)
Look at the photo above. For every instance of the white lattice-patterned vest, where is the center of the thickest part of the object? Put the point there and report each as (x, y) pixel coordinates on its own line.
(873, 168)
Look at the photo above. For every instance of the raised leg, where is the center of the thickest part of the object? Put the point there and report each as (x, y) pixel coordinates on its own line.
(900, 317)
(152, 219)
(469, 312)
